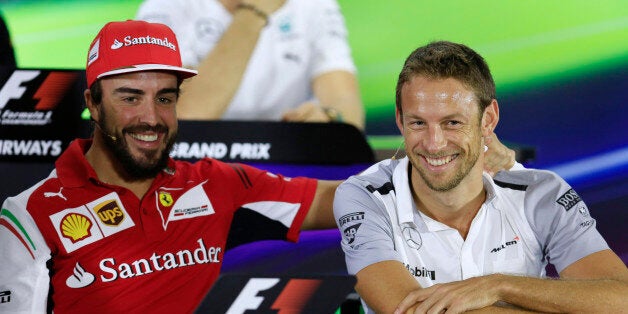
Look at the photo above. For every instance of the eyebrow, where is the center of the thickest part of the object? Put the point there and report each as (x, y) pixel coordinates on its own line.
(128, 90)
(454, 116)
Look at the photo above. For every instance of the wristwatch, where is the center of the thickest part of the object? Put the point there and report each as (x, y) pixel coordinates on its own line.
(333, 114)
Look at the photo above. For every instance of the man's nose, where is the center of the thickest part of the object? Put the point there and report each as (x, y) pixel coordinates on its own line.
(148, 113)
(435, 140)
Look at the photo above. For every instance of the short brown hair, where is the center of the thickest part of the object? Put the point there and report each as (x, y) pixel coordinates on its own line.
(444, 59)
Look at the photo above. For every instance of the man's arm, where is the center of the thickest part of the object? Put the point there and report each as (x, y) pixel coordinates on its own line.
(207, 95)
(321, 214)
(597, 283)
(383, 285)
(336, 91)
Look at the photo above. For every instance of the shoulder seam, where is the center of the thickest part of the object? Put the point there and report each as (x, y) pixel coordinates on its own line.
(518, 187)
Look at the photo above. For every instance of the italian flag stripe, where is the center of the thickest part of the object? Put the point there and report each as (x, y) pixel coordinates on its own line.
(6, 213)
(3, 222)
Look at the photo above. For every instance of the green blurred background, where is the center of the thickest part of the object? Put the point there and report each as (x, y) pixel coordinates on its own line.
(526, 43)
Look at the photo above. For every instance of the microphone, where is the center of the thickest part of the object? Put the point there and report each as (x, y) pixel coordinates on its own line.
(102, 130)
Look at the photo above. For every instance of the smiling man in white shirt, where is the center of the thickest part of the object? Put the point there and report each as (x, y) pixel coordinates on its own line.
(433, 233)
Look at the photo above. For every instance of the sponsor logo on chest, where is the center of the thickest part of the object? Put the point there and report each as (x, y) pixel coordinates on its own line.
(112, 269)
(421, 272)
(506, 244)
(96, 220)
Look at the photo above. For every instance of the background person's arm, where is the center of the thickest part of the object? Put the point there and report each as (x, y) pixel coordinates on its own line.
(336, 91)
(333, 82)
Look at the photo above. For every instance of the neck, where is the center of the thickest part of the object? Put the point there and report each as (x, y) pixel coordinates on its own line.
(110, 171)
(455, 208)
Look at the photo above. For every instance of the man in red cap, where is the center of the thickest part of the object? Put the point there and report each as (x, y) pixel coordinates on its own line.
(120, 227)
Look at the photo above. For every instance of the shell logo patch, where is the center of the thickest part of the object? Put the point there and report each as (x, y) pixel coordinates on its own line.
(165, 199)
(109, 212)
(76, 227)
(91, 222)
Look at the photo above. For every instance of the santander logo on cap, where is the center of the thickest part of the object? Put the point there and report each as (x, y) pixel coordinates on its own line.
(144, 40)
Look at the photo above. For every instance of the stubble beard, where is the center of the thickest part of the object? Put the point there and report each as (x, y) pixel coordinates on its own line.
(470, 160)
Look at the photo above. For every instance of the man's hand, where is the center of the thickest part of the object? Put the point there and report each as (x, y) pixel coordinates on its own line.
(306, 112)
(266, 6)
(454, 297)
(498, 157)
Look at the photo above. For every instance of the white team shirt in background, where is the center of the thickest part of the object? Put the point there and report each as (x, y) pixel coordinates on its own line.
(304, 39)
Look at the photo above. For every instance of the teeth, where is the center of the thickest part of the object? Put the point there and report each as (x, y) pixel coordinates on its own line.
(439, 161)
(145, 138)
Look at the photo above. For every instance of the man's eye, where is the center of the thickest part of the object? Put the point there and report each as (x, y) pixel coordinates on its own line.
(130, 99)
(454, 123)
(164, 100)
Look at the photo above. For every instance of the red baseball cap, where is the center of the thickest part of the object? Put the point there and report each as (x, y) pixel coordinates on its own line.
(133, 46)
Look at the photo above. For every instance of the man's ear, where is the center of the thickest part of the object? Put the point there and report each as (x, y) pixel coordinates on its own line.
(490, 117)
(91, 106)
(399, 120)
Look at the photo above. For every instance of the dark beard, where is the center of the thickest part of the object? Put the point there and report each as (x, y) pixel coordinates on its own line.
(134, 169)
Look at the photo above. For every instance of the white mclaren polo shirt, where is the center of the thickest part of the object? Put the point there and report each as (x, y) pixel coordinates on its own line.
(530, 217)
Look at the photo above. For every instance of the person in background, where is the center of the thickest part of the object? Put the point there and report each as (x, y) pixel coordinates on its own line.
(263, 59)
(432, 233)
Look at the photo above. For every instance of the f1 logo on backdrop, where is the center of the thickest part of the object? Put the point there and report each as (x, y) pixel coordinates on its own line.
(40, 103)
(283, 294)
(292, 298)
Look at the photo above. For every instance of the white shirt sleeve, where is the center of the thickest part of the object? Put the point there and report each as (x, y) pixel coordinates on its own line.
(331, 48)
(24, 278)
(367, 233)
(183, 18)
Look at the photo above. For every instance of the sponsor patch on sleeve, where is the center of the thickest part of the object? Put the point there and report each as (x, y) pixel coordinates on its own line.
(349, 232)
(352, 217)
(569, 199)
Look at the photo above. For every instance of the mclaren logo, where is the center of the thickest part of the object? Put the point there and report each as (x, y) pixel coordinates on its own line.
(506, 244)
(109, 213)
